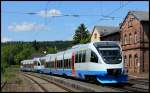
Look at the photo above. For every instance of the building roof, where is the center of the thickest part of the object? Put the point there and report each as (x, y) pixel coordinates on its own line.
(105, 30)
(141, 15)
(110, 33)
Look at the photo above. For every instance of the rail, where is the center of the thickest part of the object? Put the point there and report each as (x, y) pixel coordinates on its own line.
(45, 90)
(85, 86)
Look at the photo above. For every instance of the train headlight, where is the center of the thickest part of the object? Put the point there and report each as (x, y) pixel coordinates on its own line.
(119, 59)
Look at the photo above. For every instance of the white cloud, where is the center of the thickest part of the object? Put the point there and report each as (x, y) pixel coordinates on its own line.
(25, 26)
(50, 13)
(5, 39)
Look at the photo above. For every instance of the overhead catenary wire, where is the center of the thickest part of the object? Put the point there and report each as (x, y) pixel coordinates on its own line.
(62, 15)
(103, 17)
(112, 12)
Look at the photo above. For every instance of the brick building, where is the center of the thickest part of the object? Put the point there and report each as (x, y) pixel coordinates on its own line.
(105, 33)
(133, 35)
(134, 31)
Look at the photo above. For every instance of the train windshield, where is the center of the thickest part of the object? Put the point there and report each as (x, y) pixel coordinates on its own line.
(109, 51)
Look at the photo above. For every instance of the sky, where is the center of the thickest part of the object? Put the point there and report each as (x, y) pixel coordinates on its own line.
(58, 20)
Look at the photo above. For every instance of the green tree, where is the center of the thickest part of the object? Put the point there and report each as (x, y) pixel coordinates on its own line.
(51, 50)
(35, 45)
(24, 54)
(81, 35)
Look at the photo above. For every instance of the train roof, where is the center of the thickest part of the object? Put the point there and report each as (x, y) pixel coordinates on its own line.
(30, 61)
(36, 59)
(50, 55)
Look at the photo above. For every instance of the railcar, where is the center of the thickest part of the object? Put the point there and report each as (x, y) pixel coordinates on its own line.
(46, 62)
(101, 61)
(38, 66)
(27, 65)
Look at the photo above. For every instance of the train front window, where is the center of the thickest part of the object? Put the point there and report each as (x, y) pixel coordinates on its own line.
(110, 52)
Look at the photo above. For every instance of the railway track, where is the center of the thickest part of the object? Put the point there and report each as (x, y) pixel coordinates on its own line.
(47, 88)
(79, 85)
(139, 81)
(138, 85)
(43, 89)
(85, 86)
(134, 85)
(3, 85)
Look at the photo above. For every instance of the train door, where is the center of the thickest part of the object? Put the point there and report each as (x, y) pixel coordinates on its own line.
(73, 62)
(55, 65)
(63, 63)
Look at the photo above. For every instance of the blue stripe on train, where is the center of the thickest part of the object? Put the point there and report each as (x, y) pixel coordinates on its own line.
(101, 75)
(68, 72)
(112, 79)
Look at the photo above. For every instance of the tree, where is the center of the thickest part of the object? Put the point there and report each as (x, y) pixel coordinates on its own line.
(51, 50)
(81, 35)
(35, 45)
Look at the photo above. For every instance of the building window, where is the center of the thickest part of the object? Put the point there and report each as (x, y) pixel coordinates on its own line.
(130, 38)
(135, 37)
(130, 22)
(95, 35)
(125, 61)
(136, 60)
(125, 39)
(130, 61)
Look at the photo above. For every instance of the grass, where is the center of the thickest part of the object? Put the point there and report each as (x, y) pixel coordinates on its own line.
(9, 73)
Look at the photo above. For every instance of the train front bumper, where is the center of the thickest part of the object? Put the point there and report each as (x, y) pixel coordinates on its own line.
(112, 79)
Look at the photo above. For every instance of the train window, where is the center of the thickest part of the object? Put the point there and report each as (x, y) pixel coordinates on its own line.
(94, 57)
(57, 63)
(52, 64)
(68, 63)
(76, 57)
(83, 56)
(35, 63)
(64, 63)
(60, 64)
(38, 64)
(42, 62)
(80, 57)
(46, 64)
(49, 64)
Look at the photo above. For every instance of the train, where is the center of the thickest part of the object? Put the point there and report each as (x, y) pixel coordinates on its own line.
(101, 61)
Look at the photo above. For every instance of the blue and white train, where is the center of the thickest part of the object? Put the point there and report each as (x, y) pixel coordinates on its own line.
(101, 60)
